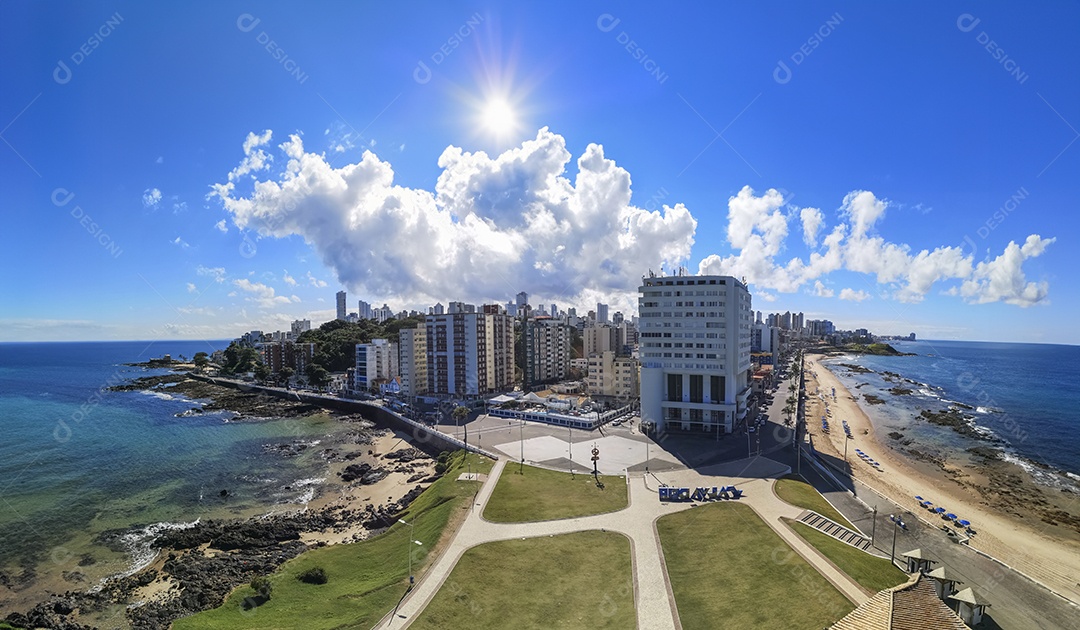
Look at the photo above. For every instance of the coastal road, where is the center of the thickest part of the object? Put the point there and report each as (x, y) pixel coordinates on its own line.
(1016, 601)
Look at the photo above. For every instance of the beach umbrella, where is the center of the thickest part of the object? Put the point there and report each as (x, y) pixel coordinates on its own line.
(950, 516)
(918, 498)
(939, 510)
(963, 522)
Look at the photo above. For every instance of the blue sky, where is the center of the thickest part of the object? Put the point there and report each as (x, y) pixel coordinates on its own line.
(616, 138)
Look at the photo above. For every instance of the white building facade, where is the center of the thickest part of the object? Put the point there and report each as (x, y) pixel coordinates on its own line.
(375, 362)
(694, 344)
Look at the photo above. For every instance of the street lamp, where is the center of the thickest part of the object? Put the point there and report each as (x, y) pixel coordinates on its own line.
(897, 522)
(408, 547)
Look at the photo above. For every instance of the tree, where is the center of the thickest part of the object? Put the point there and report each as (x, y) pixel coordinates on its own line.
(317, 375)
(201, 360)
(262, 372)
(460, 414)
(286, 373)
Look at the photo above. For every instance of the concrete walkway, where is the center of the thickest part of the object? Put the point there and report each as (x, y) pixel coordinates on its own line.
(653, 602)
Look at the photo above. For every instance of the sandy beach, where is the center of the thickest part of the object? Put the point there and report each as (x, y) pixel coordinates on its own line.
(1012, 515)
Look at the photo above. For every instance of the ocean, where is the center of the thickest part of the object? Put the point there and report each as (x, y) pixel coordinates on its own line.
(77, 460)
(1025, 395)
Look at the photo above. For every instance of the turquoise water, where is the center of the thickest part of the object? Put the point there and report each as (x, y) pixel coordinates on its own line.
(76, 460)
(1026, 395)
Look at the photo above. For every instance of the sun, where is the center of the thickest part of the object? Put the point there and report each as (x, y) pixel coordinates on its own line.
(498, 118)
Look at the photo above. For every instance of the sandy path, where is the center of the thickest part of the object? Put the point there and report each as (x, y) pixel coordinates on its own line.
(1024, 546)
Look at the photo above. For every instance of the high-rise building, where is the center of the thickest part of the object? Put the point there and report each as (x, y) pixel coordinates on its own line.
(287, 354)
(364, 310)
(412, 360)
(554, 310)
(695, 352)
(375, 362)
(341, 305)
(601, 313)
(382, 313)
(522, 300)
(611, 375)
(600, 338)
(547, 351)
(470, 353)
(300, 326)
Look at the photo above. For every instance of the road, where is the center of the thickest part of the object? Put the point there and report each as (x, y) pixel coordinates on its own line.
(1016, 601)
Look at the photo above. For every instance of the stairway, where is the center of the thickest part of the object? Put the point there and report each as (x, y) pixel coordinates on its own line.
(834, 529)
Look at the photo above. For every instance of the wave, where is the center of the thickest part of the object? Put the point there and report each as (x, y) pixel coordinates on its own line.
(163, 396)
(1044, 474)
(308, 482)
(139, 543)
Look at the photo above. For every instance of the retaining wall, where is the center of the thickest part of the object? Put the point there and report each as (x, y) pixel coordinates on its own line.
(423, 437)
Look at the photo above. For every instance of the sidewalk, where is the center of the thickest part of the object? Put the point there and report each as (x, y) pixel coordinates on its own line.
(655, 606)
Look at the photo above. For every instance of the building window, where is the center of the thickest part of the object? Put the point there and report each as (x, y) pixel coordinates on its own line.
(674, 387)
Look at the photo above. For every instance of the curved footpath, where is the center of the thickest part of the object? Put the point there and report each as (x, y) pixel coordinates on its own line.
(652, 595)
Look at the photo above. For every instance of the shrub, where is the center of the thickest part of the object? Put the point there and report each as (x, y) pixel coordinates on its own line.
(262, 586)
(315, 575)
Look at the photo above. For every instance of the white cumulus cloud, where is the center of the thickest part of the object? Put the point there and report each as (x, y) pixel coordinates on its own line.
(854, 296)
(854, 245)
(151, 197)
(821, 290)
(221, 226)
(491, 227)
(812, 220)
(263, 295)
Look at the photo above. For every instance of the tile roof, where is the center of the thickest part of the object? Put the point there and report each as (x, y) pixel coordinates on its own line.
(909, 606)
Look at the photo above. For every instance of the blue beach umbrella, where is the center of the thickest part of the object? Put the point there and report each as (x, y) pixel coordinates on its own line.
(963, 522)
(918, 498)
(950, 516)
(939, 510)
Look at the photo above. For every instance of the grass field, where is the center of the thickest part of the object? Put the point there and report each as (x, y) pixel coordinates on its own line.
(799, 493)
(539, 494)
(366, 579)
(870, 571)
(729, 570)
(580, 580)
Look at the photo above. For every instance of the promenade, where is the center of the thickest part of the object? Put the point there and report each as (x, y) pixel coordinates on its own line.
(654, 603)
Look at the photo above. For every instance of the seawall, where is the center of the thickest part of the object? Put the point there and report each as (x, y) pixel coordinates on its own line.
(423, 437)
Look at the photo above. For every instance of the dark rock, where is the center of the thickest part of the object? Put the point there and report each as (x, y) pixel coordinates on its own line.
(355, 471)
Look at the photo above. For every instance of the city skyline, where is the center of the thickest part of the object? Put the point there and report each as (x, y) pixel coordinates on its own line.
(843, 170)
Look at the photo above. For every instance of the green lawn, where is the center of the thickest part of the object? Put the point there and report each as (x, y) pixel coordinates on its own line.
(580, 580)
(799, 493)
(729, 570)
(539, 494)
(366, 579)
(870, 571)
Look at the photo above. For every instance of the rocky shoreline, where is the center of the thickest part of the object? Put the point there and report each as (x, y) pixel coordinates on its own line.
(198, 566)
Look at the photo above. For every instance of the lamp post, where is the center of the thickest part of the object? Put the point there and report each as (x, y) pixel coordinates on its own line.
(897, 522)
(408, 547)
(521, 467)
(570, 430)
